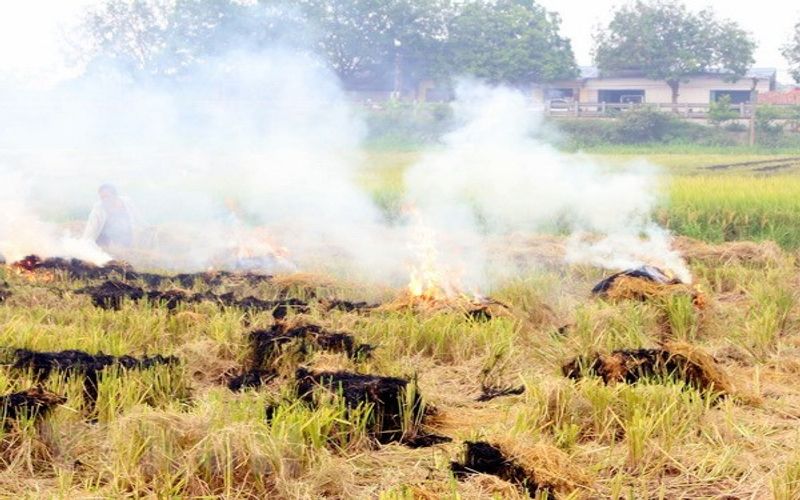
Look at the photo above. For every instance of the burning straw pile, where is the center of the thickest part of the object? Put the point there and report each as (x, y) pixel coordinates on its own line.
(645, 283)
(477, 308)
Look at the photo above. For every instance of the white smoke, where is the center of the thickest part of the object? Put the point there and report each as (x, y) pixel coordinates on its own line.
(22, 232)
(257, 151)
(249, 154)
(492, 176)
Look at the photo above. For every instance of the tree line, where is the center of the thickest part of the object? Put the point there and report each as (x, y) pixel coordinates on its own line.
(396, 44)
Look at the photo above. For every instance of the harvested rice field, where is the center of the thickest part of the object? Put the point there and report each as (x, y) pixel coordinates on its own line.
(122, 383)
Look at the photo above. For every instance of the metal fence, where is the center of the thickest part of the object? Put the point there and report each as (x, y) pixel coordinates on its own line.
(611, 109)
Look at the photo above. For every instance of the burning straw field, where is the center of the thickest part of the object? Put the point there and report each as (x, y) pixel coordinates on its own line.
(567, 382)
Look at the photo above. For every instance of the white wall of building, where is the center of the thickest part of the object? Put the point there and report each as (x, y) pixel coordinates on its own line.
(695, 91)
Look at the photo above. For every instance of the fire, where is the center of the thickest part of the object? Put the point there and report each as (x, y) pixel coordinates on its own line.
(26, 269)
(256, 249)
(428, 278)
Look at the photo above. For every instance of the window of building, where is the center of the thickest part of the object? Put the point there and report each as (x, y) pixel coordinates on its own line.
(562, 94)
(620, 96)
(737, 96)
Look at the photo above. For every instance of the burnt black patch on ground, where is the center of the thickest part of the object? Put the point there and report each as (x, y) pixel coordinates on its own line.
(384, 394)
(479, 313)
(76, 268)
(279, 307)
(631, 366)
(425, 440)
(253, 378)
(218, 278)
(33, 403)
(481, 457)
(169, 298)
(267, 343)
(80, 363)
(491, 392)
(648, 273)
(29, 263)
(346, 305)
(111, 294)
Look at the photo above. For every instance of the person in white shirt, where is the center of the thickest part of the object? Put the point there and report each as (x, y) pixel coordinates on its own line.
(111, 221)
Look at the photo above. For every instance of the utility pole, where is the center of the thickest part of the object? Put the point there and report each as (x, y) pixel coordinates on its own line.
(398, 75)
(753, 106)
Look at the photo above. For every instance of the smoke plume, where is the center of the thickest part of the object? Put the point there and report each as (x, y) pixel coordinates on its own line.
(493, 177)
(250, 159)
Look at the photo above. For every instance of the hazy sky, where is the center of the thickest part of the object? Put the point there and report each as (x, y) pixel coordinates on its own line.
(770, 22)
(31, 31)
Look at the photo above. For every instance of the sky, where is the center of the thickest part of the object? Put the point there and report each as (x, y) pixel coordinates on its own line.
(32, 31)
(32, 36)
(770, 22)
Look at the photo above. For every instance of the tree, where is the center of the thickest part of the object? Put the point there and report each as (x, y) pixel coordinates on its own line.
(791, 51)
(366, 42)
(166, 37)
(665, 41)
(506, 41)
(377, 42)
(721, 111)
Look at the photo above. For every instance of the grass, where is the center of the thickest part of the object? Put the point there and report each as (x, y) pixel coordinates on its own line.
(738, 203)
(736, 207)
(179, 432)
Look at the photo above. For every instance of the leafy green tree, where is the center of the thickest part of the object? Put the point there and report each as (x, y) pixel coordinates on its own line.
(165, 37)
(720, 111)
(666, 41)
(368, 43)
(505, 41)
(378, 42)
(791, 51)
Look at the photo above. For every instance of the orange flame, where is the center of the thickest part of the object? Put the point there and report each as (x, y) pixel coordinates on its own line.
(428, 278)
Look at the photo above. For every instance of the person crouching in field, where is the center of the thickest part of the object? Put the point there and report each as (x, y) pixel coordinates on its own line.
(111, 221)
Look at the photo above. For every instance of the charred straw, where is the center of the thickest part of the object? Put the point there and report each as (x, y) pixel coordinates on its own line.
(33, 403)
(266, 343)
(78, 269)
(81, 363)
(346, 305)
(112, 293)
(677, 361)
(384, 394)
(491, 392)
(252, 379)
(481, 457)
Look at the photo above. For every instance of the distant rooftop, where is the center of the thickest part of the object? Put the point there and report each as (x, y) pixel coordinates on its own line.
(760, 73)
